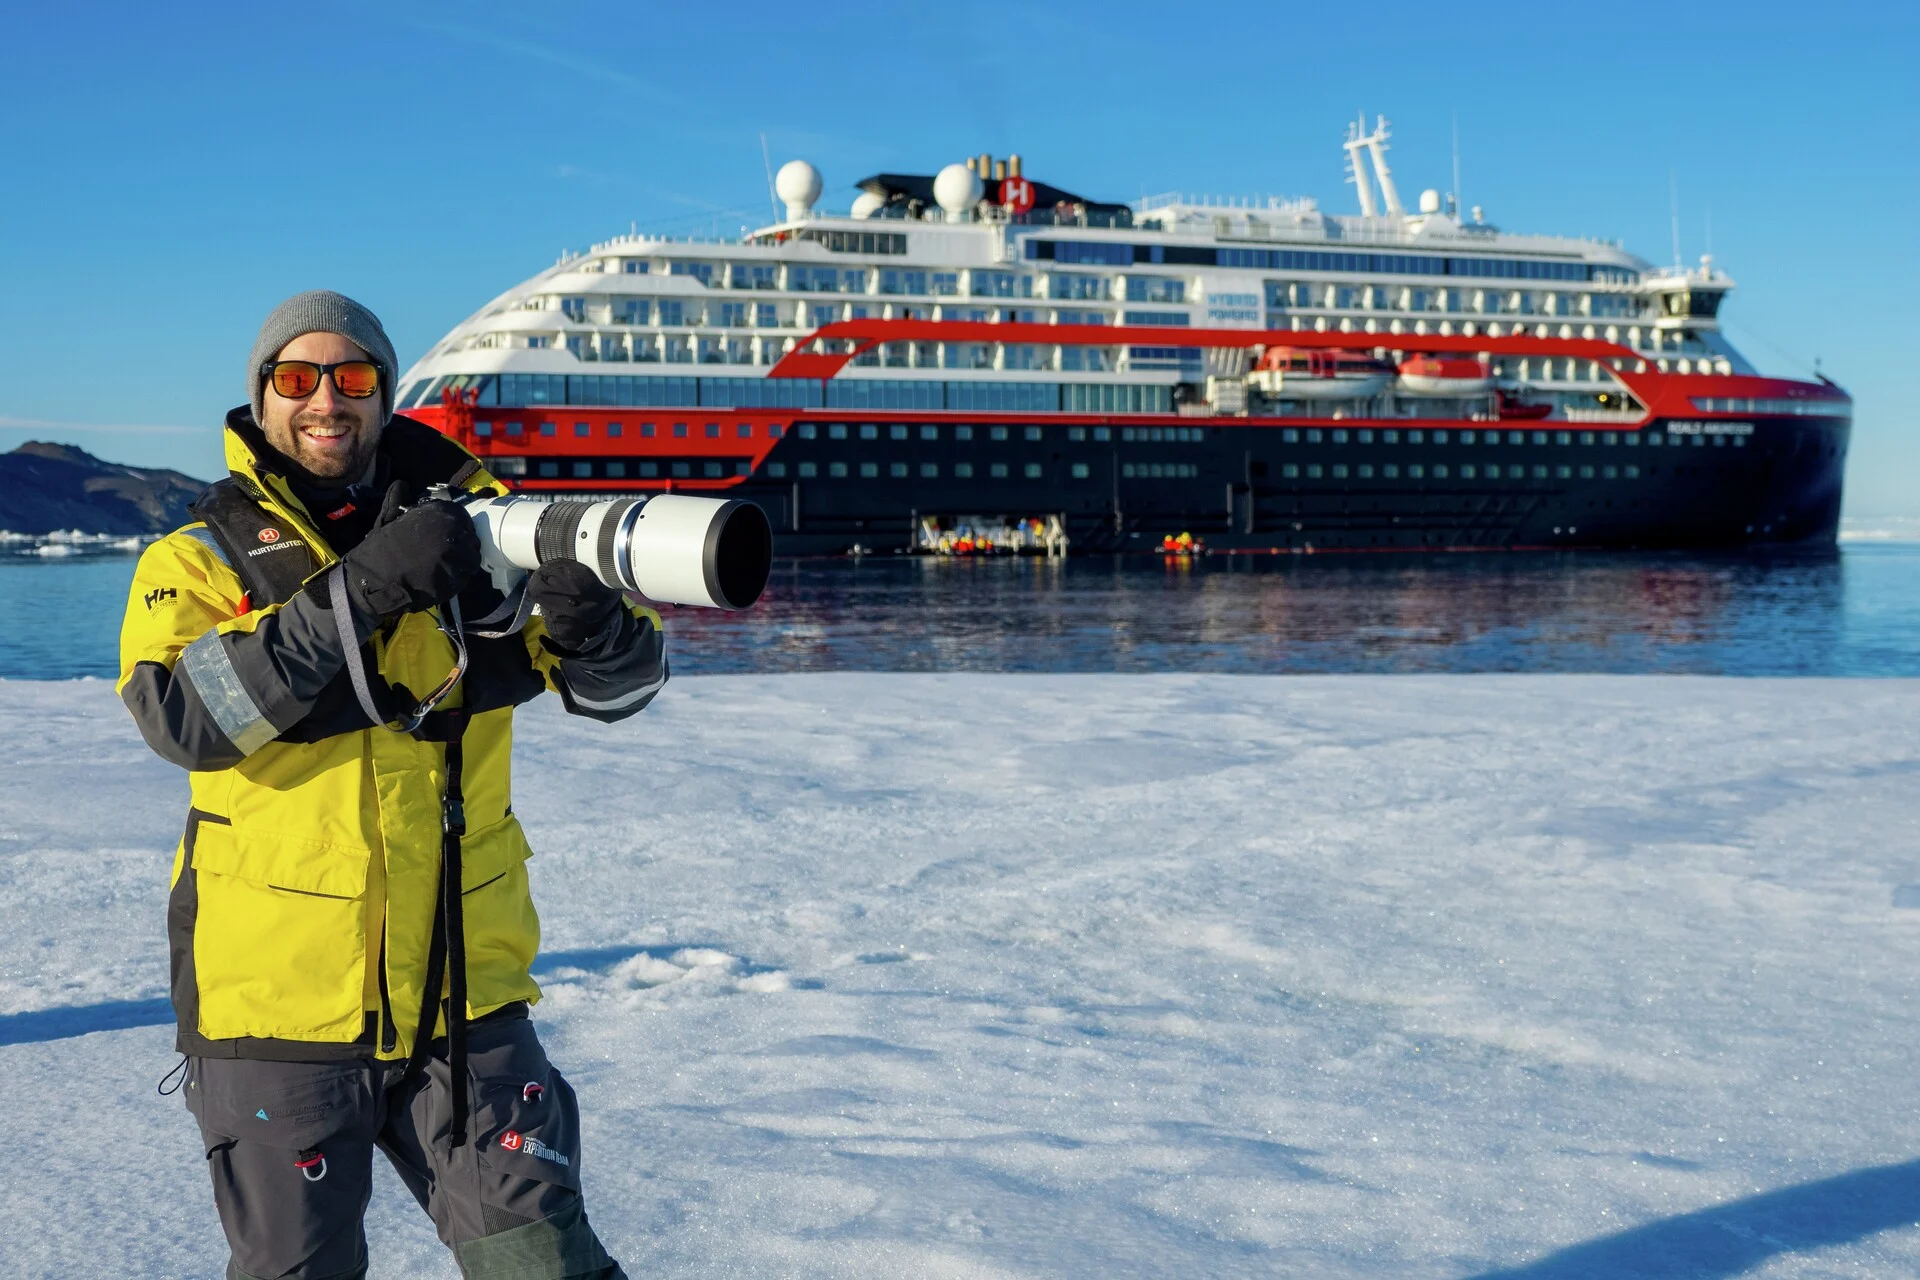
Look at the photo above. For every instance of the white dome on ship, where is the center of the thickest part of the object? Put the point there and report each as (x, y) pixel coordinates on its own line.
(799, 185)
(866, 204)
(958, 189)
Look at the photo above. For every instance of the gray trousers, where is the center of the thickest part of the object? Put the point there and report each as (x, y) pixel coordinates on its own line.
(290, 1147)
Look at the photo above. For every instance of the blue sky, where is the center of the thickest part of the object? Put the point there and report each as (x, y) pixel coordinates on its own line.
(172, 171)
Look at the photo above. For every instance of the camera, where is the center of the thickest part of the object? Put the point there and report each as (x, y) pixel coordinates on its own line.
(670, 548)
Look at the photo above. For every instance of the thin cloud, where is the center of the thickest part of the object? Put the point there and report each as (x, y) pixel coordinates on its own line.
(540, 53)
(10, 423)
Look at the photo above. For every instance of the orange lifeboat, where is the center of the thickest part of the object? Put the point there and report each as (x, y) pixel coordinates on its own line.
(1445, 376)
(1294, 373)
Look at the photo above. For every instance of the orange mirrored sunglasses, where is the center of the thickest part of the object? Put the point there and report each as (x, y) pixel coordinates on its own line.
(298, 379)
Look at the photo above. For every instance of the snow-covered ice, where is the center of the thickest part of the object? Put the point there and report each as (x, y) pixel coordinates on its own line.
(981, 976)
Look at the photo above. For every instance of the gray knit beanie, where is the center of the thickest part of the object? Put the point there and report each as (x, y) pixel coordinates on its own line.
(322, 311)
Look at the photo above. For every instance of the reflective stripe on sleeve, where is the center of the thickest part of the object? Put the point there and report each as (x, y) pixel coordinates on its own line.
(207, 663)
(625, 700)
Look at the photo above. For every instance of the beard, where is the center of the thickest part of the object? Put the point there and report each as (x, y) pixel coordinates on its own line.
(330, 466)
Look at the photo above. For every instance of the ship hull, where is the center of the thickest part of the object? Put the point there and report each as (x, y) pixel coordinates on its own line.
(834, 480)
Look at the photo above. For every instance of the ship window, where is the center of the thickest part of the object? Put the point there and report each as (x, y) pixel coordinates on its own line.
(648, 470)
(1390, 471)
(1390, 437)
(1563, 472)
(897, 470)
(776, 470)
(1417, 471)
(616, 470)
(582, 429)
(1655, 441)
(1126, 470)
(1366, 471)
(775, 431)
(1631, 439)
(997, 433)
(549, 428)
(1079, 471)
(869, 470)
(1517, 437)
(1467, 471)
(1364, 436)
(1698, 441)
(998, 471)
(1033, 433)
(1314, 435)
(682, 470)
(807, 430)
(1611, 473)
(1315, 471)
(582, 470)
(549, 469)
(1126, 433)
(1076, 433)
(929, 470)
(1563, 437)
(710, 469)
(1610, 437)
(713, 431)
(1539, 471)
(1586, 473)
(1290, 436)
(1539, 437)
(869, 431)
(1740, 442)
(963, 432)
(1340, 435)
(928, 431)
(1419, 437)
(679, 431)
(1633, 473)
(1033, 471)
(836, 431)
(1440, 437)
(1291, 471)
(1439, 471)
(483, 428)
(1586, 437)
(963, 470)
(1103, 433)
(808, 470)
(1339, 471)
(1516, 471)
(613, 430)
(514, 429)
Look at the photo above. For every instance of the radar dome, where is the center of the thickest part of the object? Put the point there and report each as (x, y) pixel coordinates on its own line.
(798, 184)
(866, 204)
(1429, 201)
(958, 189)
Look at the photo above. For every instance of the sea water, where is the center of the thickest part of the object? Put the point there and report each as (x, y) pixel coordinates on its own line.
(1855, 612)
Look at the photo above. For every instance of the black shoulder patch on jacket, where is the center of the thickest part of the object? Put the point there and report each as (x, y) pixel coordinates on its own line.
(272, 561)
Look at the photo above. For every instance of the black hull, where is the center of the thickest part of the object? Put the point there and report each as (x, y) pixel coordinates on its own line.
(1242, 487)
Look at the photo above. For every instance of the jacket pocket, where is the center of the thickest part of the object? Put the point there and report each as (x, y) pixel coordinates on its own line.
(280, 943)
(502, 930)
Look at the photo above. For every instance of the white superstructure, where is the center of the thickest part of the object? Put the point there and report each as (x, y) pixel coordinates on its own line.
(958, 246)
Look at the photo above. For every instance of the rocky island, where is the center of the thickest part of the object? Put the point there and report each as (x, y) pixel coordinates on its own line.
(47, 488)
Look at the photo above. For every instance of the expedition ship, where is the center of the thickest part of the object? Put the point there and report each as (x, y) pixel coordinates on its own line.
(977, 350)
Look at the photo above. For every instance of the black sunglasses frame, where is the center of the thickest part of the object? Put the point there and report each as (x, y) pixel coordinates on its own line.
(326, 371)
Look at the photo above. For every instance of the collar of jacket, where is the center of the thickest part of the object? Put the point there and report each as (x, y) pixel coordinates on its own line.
(414, 452)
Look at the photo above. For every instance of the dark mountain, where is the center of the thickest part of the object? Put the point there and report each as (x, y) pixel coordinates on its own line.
(44, 487)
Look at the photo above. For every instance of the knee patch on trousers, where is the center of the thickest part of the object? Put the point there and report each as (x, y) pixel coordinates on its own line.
(562, 1245)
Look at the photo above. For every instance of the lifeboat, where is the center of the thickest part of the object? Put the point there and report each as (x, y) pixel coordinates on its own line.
(1291, 373)
(1445, 376)
(1511, 406)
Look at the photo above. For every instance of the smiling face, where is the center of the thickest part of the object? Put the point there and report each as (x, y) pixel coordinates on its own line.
(327, 435)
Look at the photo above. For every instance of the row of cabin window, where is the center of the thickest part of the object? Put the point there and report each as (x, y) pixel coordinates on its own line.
(1631, 439)
(1465, 470)
(615, 430)
(867, 431)
(899, 470)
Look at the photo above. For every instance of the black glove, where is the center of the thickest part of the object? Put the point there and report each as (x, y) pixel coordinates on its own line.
(412, 562)
(581, 612)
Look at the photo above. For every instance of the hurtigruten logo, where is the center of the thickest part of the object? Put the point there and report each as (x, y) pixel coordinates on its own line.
(514, 1140)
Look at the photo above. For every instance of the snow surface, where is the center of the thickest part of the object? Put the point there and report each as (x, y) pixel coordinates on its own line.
(979, 976)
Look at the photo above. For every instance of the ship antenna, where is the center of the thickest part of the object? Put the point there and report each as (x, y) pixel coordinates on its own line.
(1377, 148)
(1673, 204)
(766, 159)
(1356, 168)
(1459, 202)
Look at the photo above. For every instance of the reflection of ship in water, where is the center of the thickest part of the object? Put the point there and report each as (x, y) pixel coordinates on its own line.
(1374, 613)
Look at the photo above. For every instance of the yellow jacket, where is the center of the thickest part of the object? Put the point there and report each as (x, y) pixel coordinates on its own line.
(303, 889)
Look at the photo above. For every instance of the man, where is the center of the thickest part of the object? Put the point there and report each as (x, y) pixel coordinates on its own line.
(350, 924)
